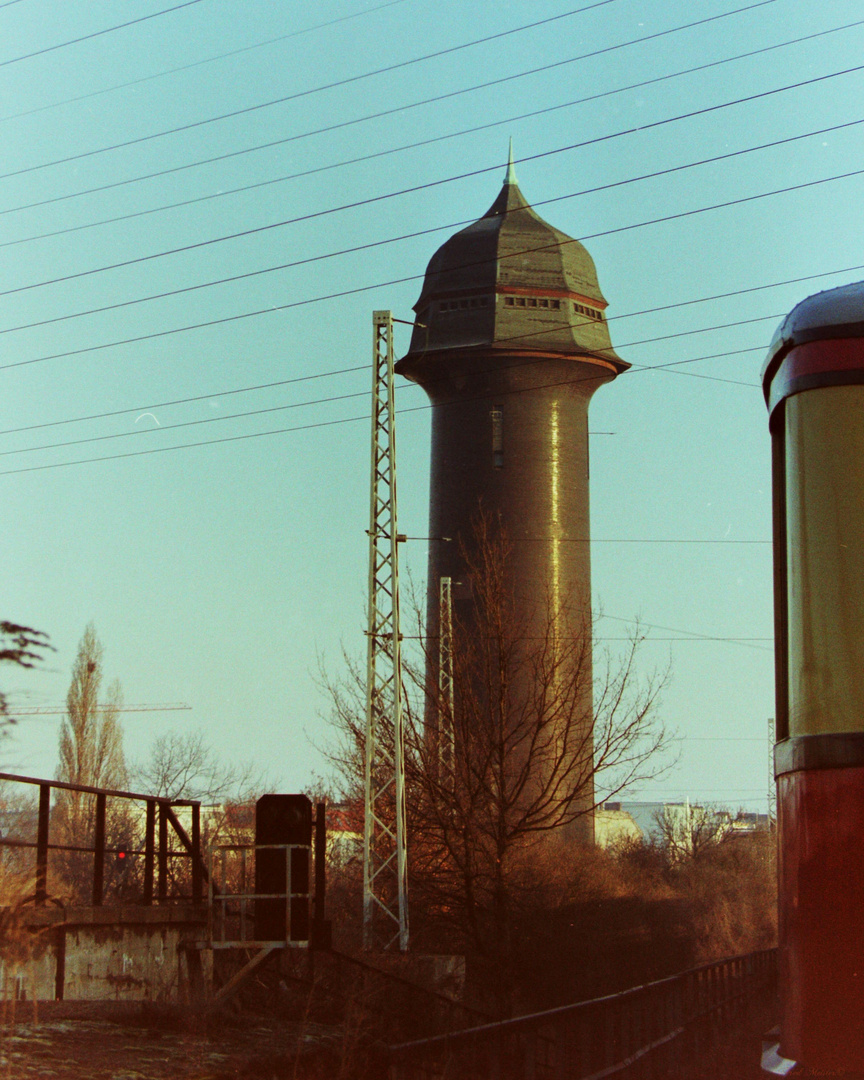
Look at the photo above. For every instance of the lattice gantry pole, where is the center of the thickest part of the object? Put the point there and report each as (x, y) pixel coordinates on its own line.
(385, 898)
(446, 720)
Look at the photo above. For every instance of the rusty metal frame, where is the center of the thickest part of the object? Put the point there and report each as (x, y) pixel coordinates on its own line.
(153, 853)
(219, 899)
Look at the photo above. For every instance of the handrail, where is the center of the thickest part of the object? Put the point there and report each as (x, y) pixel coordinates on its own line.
(608, 1035)
(88, 789)
(156, 850)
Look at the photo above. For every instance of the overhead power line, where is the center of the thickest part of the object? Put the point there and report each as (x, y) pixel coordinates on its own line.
(406, 236)
(350, 370)
(97, 33)
(282, 431)
(377, 154)
(195, 63)
(451, 179)
(299, 427)
(330, 399)
(296, 95)
(396, 281)
(287, 382)
(320, 401)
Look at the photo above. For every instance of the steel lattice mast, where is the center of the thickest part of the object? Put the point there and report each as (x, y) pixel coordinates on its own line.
(385, 899)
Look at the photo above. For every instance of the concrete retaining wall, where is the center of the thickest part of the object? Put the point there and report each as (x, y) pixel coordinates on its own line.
(106, 954)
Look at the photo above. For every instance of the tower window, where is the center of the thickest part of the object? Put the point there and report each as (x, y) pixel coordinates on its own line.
(592, 313)
(461, 305)
(497, 415)
(533, 301)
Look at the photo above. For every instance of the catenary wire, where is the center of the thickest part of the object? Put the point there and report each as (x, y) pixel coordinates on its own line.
(321, 375)
(398, 281)
(196, 63)
(283, 431)
(192, 125)
(689, 634)
(332, 398)
(450, 179)
(358, 368)
(656, 638)
(365, 157)
(422, 232)
(97, 33)
(348, 80)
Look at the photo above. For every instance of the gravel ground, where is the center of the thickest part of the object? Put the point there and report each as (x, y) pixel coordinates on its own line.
(163, 1048)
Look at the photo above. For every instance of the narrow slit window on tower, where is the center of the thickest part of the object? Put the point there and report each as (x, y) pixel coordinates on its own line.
(497, 437)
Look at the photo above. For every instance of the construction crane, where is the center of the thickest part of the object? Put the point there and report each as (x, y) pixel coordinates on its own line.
(56, 710)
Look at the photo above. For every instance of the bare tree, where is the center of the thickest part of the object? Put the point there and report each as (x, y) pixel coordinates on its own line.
(91, 753)
(687, 832)
(185, 766)
(537, 749)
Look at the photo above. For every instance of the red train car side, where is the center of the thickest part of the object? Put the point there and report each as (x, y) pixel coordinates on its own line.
(813, 382)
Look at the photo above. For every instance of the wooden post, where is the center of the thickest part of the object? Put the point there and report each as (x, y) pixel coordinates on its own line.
(99, 850)
(163, 851)
(320, 862)
(149, 851)
(42, 844)
(197, 866)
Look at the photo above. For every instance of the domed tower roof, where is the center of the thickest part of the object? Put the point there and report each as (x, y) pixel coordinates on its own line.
(512, 281)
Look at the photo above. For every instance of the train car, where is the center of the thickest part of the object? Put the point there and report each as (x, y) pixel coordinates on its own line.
(813, 381)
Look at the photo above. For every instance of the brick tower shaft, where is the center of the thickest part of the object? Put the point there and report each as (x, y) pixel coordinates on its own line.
(511, 344)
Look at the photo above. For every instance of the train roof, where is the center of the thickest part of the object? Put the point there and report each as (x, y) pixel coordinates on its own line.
(835, 313)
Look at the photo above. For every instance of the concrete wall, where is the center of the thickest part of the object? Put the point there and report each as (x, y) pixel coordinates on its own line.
(104, 954)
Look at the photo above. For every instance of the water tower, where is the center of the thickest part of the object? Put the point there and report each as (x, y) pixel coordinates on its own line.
(510, 344)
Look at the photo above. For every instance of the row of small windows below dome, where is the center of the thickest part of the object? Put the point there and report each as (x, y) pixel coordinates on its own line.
(532, 301)
(547, 302)
(468, 302)
(592, 313)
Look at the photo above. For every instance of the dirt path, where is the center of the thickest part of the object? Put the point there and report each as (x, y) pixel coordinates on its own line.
(93, 1049)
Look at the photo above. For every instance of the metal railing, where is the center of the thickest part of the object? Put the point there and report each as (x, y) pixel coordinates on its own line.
(238, 911)
(149, 828)
(650, 1031)
(266, 895)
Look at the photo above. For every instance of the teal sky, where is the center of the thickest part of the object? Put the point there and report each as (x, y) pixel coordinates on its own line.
(219, 574)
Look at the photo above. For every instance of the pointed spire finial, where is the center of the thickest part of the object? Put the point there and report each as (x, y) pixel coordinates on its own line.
(510, 178)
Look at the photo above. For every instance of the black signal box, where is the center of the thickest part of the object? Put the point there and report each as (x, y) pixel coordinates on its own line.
(282, 819)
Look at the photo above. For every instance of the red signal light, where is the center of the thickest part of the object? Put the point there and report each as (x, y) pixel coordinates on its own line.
(121, 854)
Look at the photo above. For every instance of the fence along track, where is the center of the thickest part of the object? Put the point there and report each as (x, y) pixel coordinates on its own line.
(647, 1032)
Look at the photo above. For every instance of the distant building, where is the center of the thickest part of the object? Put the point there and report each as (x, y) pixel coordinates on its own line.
(612, 825)
(344, 833)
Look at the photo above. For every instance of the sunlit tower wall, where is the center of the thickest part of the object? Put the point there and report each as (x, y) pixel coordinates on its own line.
(510, 344)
